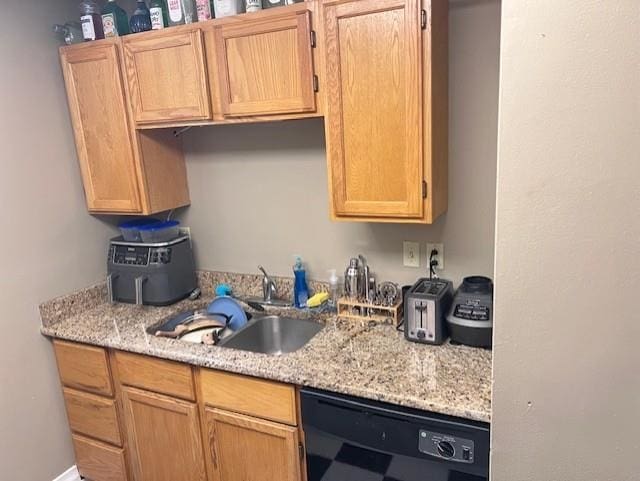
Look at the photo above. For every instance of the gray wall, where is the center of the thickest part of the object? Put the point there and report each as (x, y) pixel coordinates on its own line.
(566, 397)
(259, 192)
(50, 245)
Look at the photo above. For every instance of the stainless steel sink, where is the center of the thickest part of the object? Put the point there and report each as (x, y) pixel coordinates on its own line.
(273, 335)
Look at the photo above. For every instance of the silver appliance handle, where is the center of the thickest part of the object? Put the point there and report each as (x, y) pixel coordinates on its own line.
(110, 279)
(139, 282)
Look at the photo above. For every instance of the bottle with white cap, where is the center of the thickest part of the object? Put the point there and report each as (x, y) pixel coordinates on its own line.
(334, 288)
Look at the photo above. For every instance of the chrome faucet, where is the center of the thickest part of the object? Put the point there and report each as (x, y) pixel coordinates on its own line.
(268, 286)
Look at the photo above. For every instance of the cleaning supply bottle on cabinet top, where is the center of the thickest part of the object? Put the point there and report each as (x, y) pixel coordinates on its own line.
(159, 14)
(181, 12)
(300, 288)
(141, 19)
(114, 20)
(91, 21)
(204, 10)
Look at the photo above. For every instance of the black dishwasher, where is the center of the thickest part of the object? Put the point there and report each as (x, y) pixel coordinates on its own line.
(353, 439)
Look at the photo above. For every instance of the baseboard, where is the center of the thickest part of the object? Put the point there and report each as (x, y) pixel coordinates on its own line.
(70, 474)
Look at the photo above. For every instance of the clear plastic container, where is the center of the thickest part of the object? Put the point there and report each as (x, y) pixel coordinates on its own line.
(160, 231)
(334, 288)
(130, 229)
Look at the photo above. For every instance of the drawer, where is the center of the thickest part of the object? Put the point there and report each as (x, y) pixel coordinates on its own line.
(98, 461)
(249, 395)
(157, 375)
(83, 367)
(93, 416)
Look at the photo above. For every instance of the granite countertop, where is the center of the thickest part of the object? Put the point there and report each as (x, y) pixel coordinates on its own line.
(357, 358)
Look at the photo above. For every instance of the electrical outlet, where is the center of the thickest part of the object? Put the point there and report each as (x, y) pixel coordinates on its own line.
(439, 257)
(411, 254)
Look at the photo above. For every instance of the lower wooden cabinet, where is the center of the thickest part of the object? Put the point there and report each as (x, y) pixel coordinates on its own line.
(98, 461)
(164, 437)
(244, 448)
(148, 419)
(82, 367)
(92, 411)
(93, 416)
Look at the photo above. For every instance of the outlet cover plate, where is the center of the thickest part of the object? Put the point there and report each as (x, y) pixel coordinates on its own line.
(185, 231)
(411, 254)
(439, 257)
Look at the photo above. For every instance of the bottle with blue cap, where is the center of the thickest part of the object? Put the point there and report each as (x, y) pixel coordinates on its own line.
(300, 288)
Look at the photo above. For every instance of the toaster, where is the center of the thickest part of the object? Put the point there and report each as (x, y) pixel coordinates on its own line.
(426, 304)
(156, 274)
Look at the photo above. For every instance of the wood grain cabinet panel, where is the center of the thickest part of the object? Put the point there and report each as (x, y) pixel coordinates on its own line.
(265, 64)
(158, 375)
(95, 92)
(99, 462)
(249, 449)
(249, 395)
(164, 437)
(83, 367)
(123, 171)
(378, 165)
(93, 416)
(166, 76)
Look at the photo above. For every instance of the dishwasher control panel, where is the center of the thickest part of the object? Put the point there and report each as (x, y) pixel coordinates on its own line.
(447, 447)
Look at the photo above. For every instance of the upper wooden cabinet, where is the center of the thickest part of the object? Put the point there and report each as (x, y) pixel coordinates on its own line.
(386, 112)
(123, 171)
(103, 138)
(377, 70)
(264, 64)
(166, 76)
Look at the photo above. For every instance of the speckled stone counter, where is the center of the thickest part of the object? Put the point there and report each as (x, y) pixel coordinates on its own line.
(361, 359)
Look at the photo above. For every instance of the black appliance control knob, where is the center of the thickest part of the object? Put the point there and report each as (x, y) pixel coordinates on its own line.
(421, 335)
(446, 449)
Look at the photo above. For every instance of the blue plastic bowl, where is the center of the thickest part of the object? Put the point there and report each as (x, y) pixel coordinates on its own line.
(160, 231)
(130, 229)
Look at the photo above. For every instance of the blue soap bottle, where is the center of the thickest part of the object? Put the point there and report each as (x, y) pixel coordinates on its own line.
(300, 288)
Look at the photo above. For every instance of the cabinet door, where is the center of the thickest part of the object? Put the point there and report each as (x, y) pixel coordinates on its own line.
(265, 65)
(166, 76)
(249, 449)
(98, 112)
(164, 437)
(374, 108)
